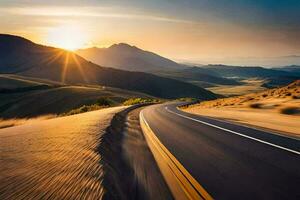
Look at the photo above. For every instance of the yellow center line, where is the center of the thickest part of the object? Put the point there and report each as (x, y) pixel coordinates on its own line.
(181, 183)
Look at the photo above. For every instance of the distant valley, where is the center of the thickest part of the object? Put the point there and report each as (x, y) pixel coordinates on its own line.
(127, 57)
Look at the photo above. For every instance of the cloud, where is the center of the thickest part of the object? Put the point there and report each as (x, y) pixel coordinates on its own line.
(102, 12)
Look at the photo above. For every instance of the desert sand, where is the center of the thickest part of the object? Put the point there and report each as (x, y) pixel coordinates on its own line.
(55, 158)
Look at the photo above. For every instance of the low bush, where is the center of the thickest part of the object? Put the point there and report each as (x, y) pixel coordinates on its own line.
(104, 102)
(187, 99)
(288, 94)
(255, 105)
(290, 110)
(134, 101)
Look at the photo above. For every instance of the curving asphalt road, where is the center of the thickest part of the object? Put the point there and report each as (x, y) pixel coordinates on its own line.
(230, 161)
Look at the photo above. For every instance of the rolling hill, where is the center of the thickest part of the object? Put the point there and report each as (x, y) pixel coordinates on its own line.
(198, 77)
(273, 77)
(23, 97)
(290, 68)
(242, 71)
(23, 57)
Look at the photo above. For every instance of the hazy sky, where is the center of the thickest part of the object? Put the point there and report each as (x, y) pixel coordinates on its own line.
(228, 31)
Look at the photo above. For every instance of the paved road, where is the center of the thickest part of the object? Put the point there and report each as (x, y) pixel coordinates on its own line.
(229, 161)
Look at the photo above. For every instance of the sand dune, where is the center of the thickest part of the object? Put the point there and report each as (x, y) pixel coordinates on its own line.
(54, 158)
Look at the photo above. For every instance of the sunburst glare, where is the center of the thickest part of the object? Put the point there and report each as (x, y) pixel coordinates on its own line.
(68, 37)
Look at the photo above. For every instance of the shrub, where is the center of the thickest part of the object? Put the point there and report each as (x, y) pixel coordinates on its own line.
(288, 94)
(104, 102)
(187, 99)
(134, 101)
(255, 105)
(290, 110)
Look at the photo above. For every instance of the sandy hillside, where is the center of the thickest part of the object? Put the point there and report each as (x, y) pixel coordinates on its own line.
(277, 109)
(56, 158)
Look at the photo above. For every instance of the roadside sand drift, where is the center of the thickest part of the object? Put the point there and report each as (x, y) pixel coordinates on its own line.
(277, 109)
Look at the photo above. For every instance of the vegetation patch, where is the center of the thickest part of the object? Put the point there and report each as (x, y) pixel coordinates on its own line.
(187, 99)
(256, 105)
(134, 101)
(100, 103)
(104, 102)
(290, 110)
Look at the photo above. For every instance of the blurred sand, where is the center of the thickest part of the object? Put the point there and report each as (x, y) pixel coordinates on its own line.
(55, 158)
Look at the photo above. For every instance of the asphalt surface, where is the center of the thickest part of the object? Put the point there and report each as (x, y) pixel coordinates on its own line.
(230, 161)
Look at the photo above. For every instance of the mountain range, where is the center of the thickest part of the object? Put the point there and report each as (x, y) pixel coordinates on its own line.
(128, 67)
(131, 58)
(23, 57)
(127, 57)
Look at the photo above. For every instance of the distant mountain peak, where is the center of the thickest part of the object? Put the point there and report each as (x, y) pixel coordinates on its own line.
(121, 44)
(124, 46)
(127, 57)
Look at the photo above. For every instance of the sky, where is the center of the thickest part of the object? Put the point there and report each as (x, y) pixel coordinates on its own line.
(240, 32)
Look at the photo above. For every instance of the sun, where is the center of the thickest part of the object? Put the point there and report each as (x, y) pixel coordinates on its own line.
(68, 37)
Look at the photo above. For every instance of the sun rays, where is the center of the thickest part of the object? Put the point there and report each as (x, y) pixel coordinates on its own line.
(74, 57)
(65, 67)
(67, 60)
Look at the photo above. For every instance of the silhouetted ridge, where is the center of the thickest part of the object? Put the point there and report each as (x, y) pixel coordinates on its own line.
(127, 57)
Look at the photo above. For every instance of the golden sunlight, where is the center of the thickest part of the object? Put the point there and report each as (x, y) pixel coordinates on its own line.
(67, 37)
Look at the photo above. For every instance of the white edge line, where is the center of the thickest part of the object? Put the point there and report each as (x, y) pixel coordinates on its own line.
(230, 131)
